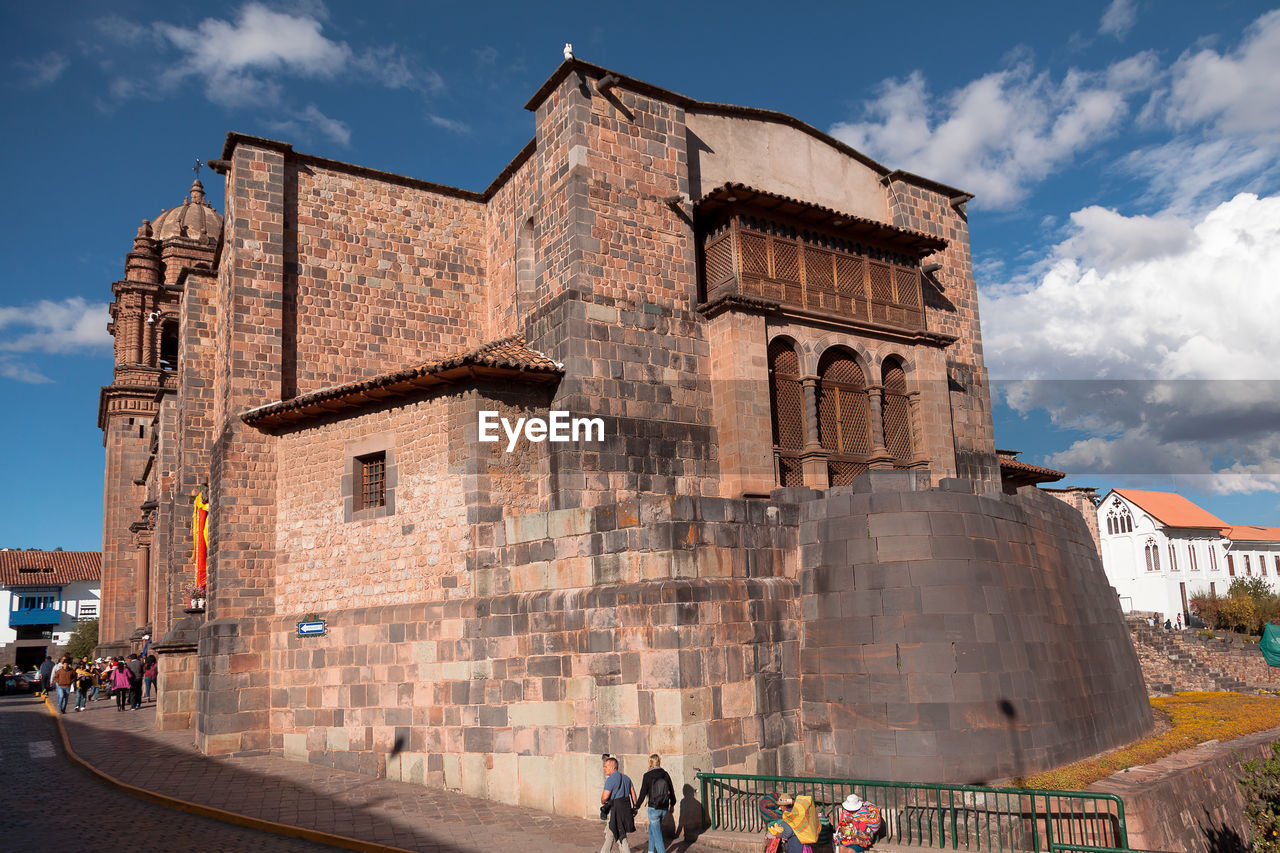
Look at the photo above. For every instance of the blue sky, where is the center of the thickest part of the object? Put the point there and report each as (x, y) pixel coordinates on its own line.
(1124, 155)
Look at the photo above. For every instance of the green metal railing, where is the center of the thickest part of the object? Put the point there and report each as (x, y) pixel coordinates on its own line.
(956, 817)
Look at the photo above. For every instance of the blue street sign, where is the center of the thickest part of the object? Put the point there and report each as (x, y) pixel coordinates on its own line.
(311, 629)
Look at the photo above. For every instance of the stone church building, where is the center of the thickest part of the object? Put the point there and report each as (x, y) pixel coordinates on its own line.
(784, 547)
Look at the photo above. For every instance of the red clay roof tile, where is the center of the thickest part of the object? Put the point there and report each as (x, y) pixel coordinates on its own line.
(39, 568)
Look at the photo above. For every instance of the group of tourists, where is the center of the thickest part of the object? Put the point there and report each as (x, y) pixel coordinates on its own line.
(100, 678)
(792, 824)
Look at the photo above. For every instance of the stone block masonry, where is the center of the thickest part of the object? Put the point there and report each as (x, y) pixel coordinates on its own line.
(497, 620)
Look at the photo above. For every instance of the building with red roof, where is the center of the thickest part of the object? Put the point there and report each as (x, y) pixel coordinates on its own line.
(1160, 549)
(43, 595)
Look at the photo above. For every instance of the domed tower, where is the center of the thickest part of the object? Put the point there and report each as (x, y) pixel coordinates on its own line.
(145, 323)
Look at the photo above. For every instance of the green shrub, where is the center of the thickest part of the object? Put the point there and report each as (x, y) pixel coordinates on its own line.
(84, 639)
(1260, 784)
(1238, 613)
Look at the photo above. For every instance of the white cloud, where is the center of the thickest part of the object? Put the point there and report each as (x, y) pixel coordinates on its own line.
(1104, 239)
(122, 30)
(1146, 297)
(1000, 133)
(42, 71)
(448, 123)
(1238, 92)
(231, 57)
(1181, 305)
(1118, 19)
(20, 372)
(54, 327)
(311, 122)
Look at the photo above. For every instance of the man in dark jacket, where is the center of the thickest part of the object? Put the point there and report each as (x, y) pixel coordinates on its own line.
(46, 673)
(657, 787)
(135, 682)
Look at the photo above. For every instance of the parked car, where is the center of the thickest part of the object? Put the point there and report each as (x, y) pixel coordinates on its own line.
(22, 682)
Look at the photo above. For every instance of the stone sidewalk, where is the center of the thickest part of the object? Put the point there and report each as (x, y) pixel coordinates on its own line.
(125, 745)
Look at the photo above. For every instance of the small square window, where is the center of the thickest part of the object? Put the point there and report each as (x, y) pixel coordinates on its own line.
(372, 471)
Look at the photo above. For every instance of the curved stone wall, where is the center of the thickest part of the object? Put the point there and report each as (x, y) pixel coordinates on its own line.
(959, 638)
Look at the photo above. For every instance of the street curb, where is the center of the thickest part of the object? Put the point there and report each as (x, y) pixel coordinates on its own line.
(316, 835)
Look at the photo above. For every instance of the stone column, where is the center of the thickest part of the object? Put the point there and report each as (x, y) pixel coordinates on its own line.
(919, 458)
(144, 585)
(813, 459)
(880, 457)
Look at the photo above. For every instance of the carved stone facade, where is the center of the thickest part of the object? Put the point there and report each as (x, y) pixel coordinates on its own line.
(497, 615)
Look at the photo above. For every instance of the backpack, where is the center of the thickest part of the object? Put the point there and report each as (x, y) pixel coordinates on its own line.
(660, 793)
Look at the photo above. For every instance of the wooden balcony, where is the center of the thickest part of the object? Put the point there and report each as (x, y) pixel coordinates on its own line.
(811, 259)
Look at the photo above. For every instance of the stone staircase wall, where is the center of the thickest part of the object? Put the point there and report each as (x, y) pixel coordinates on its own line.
(1176, 661)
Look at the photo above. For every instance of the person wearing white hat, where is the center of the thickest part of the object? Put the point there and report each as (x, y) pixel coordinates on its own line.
(857, 823)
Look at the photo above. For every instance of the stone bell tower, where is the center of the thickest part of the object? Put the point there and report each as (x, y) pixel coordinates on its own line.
(144, 323)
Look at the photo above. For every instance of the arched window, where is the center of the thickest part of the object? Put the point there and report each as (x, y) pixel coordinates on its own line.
(1173, 558)
(786, 399)
(1213, 558)
(896, 412)
(844, 416)
(169, 346)
(1119, 520)
(1153, 556)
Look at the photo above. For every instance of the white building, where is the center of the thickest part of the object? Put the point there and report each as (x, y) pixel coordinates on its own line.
(43, 594)
(1159, 549)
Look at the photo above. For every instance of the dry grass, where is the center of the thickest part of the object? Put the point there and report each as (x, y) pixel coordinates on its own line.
(1193, 718)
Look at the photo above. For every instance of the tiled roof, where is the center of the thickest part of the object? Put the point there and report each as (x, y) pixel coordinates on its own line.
(508, 357)
(1251, 533)
(1171, 510)
(1020, 473)
(855, 227)
(40, 568)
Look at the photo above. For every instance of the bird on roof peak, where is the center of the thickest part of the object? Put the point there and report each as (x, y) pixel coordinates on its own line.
(568, 50)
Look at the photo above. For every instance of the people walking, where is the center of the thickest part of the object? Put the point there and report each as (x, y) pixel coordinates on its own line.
(150, 672)
(63, 677)
(135, 682)
(656, 786)
(84, 684)
(619, 796)
(46, 672)
(120, 685)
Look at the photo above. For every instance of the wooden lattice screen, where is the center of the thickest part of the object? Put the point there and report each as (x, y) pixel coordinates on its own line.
(896, 413)
(787, 399)
(812, 271)
(844, 416)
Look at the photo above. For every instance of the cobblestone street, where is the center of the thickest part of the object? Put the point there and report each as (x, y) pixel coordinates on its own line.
(48, 804)
(126, 747)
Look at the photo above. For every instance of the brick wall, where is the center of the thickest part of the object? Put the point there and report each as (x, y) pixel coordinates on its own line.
(952, 309)
(233, 699)
(393, 264)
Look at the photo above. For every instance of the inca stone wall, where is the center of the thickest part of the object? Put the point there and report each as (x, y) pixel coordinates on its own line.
(957, 637)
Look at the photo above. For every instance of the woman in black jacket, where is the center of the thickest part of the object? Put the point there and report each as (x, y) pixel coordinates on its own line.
(658, 788)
